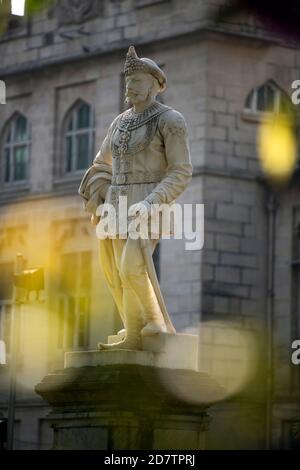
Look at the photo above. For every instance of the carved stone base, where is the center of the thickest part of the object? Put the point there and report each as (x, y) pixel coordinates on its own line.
(131, 400)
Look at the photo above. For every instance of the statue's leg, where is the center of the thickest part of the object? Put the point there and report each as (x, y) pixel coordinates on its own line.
(134, 271)
(132, 307)
(109, 263)
(133, 323)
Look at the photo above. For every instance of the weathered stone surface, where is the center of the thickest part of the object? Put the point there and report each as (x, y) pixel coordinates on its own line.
(125, 406)
(159, 350)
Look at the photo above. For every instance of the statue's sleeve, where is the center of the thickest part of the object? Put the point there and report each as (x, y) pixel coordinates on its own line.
(173, 128)
(97, 178)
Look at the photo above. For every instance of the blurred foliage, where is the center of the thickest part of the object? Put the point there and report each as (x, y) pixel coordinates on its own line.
(4, 15)
(32, 7)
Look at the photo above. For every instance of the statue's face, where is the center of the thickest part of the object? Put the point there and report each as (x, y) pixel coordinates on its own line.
(138, 86)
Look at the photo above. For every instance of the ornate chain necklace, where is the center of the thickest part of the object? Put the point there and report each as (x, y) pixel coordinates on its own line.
(132, 120)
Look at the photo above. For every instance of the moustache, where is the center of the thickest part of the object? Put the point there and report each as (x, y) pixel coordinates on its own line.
(131, 93)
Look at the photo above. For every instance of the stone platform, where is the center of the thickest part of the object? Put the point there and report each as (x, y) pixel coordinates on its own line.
(179, 351)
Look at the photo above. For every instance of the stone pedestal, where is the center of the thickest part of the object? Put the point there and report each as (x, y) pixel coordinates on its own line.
(178, 351)
(155, 399)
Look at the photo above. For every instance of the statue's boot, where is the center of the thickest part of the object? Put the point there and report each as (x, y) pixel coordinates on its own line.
(155, 322)
(133, 324)
(122, 332)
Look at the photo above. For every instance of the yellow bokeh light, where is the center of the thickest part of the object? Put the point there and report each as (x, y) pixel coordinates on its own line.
(228, 362)
(277, 148)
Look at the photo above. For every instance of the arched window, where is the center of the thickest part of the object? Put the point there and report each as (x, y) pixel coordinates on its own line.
(15, 150)
(267, 98)
(78, 138)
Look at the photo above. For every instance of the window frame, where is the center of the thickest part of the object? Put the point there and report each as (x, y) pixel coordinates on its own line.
(10, 126)
(72, 114)
(78, 294)
(253, 114)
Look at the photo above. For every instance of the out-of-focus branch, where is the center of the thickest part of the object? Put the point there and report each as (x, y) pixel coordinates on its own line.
(31, 7)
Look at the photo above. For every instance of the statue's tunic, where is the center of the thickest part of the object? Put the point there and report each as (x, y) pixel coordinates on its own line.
(145, 156)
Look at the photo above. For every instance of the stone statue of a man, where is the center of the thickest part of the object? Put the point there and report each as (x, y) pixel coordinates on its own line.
(145, 157)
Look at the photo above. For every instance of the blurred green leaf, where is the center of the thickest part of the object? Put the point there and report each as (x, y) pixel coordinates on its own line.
(5, 8)
(34, 6)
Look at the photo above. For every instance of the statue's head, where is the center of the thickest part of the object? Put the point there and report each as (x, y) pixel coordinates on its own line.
(143, 77)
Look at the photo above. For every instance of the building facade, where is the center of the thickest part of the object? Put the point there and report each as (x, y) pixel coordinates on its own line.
(64, 85)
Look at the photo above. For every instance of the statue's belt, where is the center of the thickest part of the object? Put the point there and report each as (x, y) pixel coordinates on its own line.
(136, 178)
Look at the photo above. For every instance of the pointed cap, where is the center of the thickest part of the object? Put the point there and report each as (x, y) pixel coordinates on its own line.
(135, 64)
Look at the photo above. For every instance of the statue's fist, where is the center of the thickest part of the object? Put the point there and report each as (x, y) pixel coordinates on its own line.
(95, 219)
(140, 209)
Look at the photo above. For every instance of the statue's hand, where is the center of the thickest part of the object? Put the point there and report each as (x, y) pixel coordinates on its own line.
(140, 209)
(95, 219)
(97, 214)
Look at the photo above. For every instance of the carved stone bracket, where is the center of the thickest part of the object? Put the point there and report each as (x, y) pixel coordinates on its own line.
(77, 11)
